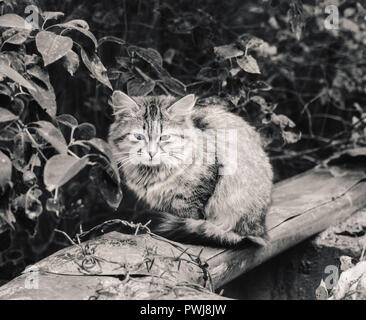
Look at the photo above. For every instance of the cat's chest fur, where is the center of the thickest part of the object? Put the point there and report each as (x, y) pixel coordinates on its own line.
(183, 193)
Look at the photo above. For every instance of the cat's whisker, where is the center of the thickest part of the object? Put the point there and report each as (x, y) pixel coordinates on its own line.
(122, 162)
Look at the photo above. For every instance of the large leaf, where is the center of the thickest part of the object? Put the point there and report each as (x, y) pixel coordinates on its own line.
(6, 115)
(248, 64)
(173, 85)
(12, 20)
(62, 168)
(96, 67)
(15, 36)
(140, 87)
(80, 26)
(15, 76)
(150, 55)
(101, 146)
(5, 170)
(44, 95)
(52, 135)
(52, 46)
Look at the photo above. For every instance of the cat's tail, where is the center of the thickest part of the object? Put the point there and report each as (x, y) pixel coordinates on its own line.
(193, 231)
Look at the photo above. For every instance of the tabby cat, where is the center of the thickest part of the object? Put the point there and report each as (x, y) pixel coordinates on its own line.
(200, 170)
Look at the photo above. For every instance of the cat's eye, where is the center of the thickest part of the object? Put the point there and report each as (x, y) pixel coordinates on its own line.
(139, 136)
(165, 137)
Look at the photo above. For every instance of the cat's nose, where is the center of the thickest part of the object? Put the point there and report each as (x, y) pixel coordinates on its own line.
(152, 153)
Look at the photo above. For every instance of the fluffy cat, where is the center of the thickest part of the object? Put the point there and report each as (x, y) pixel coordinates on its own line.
(201, 171)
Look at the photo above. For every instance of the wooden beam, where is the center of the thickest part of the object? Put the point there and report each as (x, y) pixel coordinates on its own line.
(118, 265)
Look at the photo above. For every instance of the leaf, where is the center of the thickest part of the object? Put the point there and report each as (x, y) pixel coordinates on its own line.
(17, 106)
(228, 51)
(85, 131)
(347, 280)
(283, 121)
(140, 87)
(287, 127)
(169, 55)
(29, 178)
(349, 25)
(33, 206)
(52, 135)
(80, 26)
(291, 136)
(101, 146)
(96, 67)
(5, 90)
(76, 23)
(6, 169)
(15, 76)
(49, 15)
(53, 205)
(52, 46)
(6, 116)
(14, 36)
(174, 85)
(266, 50)
(296, 18)
(248, 64)
(7, 216)
(111, 39)
(249, 41)
(67, 120)
(321, 292)
(31, 60)
(45, 97)
(71, 62)
(346, 262)
(62, 168)
(21, 149)
(8, 134)
(150, 55)
(12, 20)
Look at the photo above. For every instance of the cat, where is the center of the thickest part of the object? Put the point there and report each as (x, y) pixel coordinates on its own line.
(168, 152)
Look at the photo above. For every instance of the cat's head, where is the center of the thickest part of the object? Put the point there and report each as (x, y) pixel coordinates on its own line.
(151, 131)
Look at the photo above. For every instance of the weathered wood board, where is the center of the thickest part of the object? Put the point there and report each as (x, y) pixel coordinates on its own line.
(143, 266)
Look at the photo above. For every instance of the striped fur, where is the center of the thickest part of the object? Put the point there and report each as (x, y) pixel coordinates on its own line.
(188, 198)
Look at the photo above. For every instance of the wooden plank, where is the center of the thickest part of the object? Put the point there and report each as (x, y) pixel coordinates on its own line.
(145, 266)
(227, 265)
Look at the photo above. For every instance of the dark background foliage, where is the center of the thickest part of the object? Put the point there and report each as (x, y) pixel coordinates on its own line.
(272, 62)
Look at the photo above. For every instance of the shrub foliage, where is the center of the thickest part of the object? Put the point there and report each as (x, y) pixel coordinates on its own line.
(273, 62)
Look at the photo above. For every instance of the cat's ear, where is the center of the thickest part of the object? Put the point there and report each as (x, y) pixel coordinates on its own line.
(183, 107)
(122, 104)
